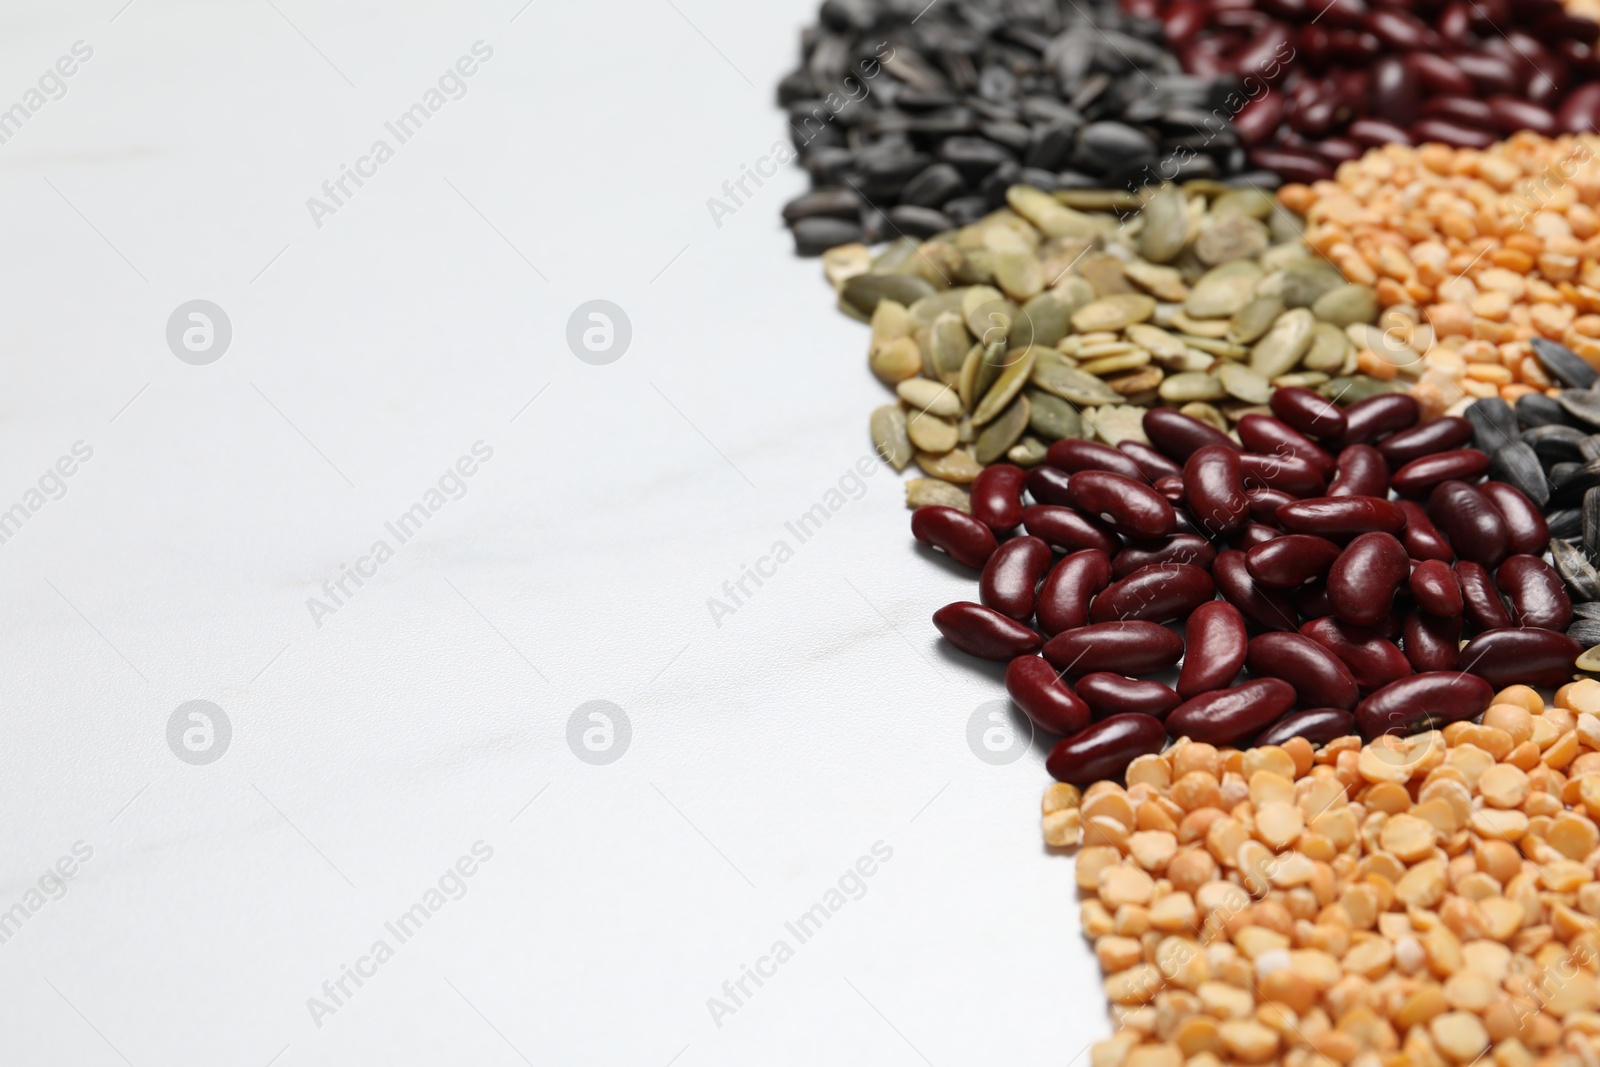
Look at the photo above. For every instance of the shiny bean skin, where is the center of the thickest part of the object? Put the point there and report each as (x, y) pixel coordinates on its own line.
(1422, 702)
(1312, 602)
(1395, 90)
(1264, 504)
(1253, 534)
(997, 496)
(1417, 478)
(1526, 530)
(1308, 412)
(1129, 506)
(1364, 579)
(1180, 548)
(1318, 676)
(1063, 602)
(1440, 435)
(1464, 109)
(1178, 437)
(1435, 589)
(1373, 661)
(1439, 74)
(1012, 575)
(1044, 698)
(1152, 463)
(1285, 473)
(1291, 561)
(1124, 647)
(1581, 112)
(1318, 726)
(1475, 529)
(1163, 593)
(1073, 455)
(1067, 529)
(1112, 694)
(1362, 472)
(1171, 488)
(1421, 537)
(1342, 516)
(1451, 133)
(1481, 605)
(1213, 483)
(1215, 645)
(1273, 437)
(1431, 643)
(1104, 749)
(1511, 115)
(1048, 485)
(984, 632)
(1227, 716)
(1291, 164)
(1270, 609)
(1536, 592)
(1491, 74)
(1374, 132)
(963, 538)
(1379, 416)
(1525, 655)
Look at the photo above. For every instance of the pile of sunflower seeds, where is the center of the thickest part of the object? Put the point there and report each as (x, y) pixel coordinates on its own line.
(1067, 314)
(913, 118)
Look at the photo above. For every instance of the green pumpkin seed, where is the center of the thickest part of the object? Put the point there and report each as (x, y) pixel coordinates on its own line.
(895, 255)
(1166, 226)
(1214, 347)
(1304, 380)
(948, 343)
(1155, 340)
(843, 262)
(1101, 349)
(1301, 287)
(1054, 219)
(998, 437)
(935, 398)
(1114, 312)
(1005, 388)
(1163, 283)
(931, 433)
(1055, 374)
(1115, 424)
(889, 437)
(1327, 350)
(954, 466)
(1207, 414)
(1052, 417)
(1019, 275)
(991, 365)
(929, 308)
(1074, 291)
(1211, 329)
(1104, 272)
(1251, 322)
(927, 492)
(864, 291)
(1098, 199)
(895, 361)
(1028, 452)
(1284, 344)
(1048, 318)
(1124, 361)
(1244, 383)
(967, 380)
(1347, 305)
(1252, 202)
(1226, 238)
(890, 320)
(1181, 388)
(1223, 292)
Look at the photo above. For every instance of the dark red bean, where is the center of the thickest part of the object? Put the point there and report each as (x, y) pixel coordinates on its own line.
(997, 496)
(1526, 530)
(1378, 416)
(1171, 488)
(1421, 538)
(1439, 74)
(1152, 463)
(1180, 548)
(1012, 575)
(1342, 516)
(1396, 90)
(1362, 472)
(1581, 111)
(1309, 413)
(1489, 73)
(1274, 437)
(1048, 485)
(1364, 579)
(1128, 506)
(1512, 114)
(1264, 504)
(1291, 164)
(1432, 643)
(1063, 602)
(1226, 716)
(1481, 605)
(1270, 609)
(1422, 702)
(1050, 703)
(963, 538)
(1213, 483)
(1440, 435)
(1124, 647)
(1214, 650)
(1178, 437)
(1066, 529)
(1184, 20)
(1104, 749)
(1312, 602)
(1463, 109)
(1434, 587)
(1537, 595)
(1465, 516)
(1349, 14)
(1319, 726)
(1162, 593)
(1318, 676)
(1417, 478)
(984, 632)
(1258, 119)
(1112, 694)
(1253, 534)
(1455, 24)
(1291, 561)
(1263, 57)
(1525, 655)
(1073, 455)
(1403, 31)
(1288, 474)
(1374, 132)
(1451, 133)
(1373, 661)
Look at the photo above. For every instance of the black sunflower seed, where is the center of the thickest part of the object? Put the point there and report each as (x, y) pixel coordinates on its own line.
(1563, 364)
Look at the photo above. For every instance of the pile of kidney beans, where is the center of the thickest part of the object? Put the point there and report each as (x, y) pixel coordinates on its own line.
(1324, 81)
(1344, 608)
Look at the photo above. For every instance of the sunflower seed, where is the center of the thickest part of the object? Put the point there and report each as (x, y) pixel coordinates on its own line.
(1518, 464)
(1565, 523)
(1556, 444)
(1591, 527)
(1563, 364)
(922, 492)
(1585, 631)
(1576, 571)
(889, 437)
(1582, 404)
(1587, 611)
(1536, 409)
(1493, 424)
(1005, 431)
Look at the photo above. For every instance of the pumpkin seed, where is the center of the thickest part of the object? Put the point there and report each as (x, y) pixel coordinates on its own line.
(1163, 283)
(931, 433)
(1206, 414)
(1212, 346)
(889, 436)
(1244, 383)
(1589, 661)
(991, 365)
(925, 492)
(1346, 305)
(1137, 383)
(1048, 317)
(1006, 430)
(843, 262)
(935, 398)
(967, 381)
(948, 344)
(1223, 292)
(1052, 416)
(929, 308)
(1181, 388)
(1304, 380)
(865, 290)
(1116, 364)
(1005, 388)
(1225, 238)
(1019, 275)
(1284, 344)
(1252, 202)
(1028, 452)
(1054, 219)
(1114, 312)
(1214, 329)
(1166, 226)
(1328, 348)
(1252, 321)
(1155, 340)
(1113, 425)
(895, 361)
(954, 466)
(1102, 349)
(1055, 374)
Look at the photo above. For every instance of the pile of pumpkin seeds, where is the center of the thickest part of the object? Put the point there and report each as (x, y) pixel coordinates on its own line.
(1067, 314)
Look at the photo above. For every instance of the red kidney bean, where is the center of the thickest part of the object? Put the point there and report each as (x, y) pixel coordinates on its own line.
(963, 538)
(1418, 477)
(1319, 726)
(1342, 516)
(1112, 694)
(1050, 703)
(1104, 749)
(1439, 74)
(984, 632)
(1526, 530)
(1512, 114)
(1421, 702)
(1377, 416)
(1374, 132)
(1124, 647)
(1403, 31)
(1316, 117)
(1066, 529)
(1270, 609)
(1362, 472)
(1536, 592)
(1073, 455)
(1258, 119)
(1364, 579)
(1291, 561)
(1451, 133)
(1012, 575)
(1309, 413)
(1434, 587)
(1263, 56)
(1481, 603)
(1525, 655)
(1440, 435)
(1465, 516)
(1312, 602)
(1395, 90)
(1171, 488)
(1463, 109)
(1289, 474)
(1063, 602)
(1274, 437)
(1264, 504)
(1432, 643)
(1489, 73)
(1421, 538)
(1215, 645)
(1291, 164)
(997, 496)
(1226, 716)
(1253, 534)
(1581, 111)
(1454, 26)
(1180, 548)
(1373, 661)
(1128, 506)
(1162, 593)
(1184, 20)
(1213, 482)
(1151, 463)
(1048, 485)
(1349, 14)
(1318, 676)
(1178, 437)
